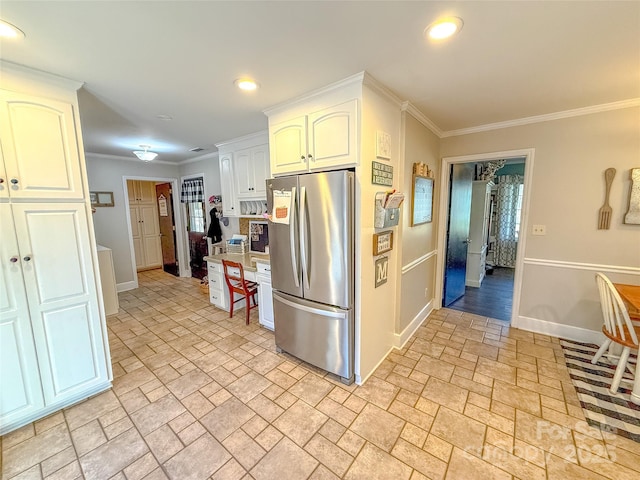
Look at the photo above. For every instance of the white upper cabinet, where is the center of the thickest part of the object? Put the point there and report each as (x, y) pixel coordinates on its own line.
(229, 203)
(39, 148)
(251, 168)
(244, 169)
(324, 139)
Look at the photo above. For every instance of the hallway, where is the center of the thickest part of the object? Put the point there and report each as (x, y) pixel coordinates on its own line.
(493, 299)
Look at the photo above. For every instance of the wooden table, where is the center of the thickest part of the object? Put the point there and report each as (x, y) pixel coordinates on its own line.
(631, 296)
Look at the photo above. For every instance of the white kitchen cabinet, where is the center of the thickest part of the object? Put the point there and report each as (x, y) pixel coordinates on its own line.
(108, 280)
(478, 232)
(321, 140)
(244, 168)
(218, 290)
(53, 344)
(141, 192)
(61, 326)
(251, 170)
(230, 206)
(47, 168)
(21, 392)
(265, 298)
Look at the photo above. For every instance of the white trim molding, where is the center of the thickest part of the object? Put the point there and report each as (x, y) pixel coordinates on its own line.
(559, 330)
(126, 286)
(401, 338)
(422, 118)
(593, 267)
(576, 112)
(413, 264)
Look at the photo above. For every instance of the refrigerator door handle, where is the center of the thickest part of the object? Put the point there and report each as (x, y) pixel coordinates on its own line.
(292, 239)
(326, 312)
(303, 237)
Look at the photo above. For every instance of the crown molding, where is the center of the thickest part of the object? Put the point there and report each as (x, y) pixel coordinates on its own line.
(381, 89)
(576, 112)
(33, 73)
(104, 156)
(199, 158)
(422, 118)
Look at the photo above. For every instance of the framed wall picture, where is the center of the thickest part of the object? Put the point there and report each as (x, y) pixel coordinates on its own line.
(421, 200)
(101, 199)
(382, 242)
(382, 270)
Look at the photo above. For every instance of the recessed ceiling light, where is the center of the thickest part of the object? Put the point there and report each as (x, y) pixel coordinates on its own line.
(246, 84)
(10, 31)
(444, 28)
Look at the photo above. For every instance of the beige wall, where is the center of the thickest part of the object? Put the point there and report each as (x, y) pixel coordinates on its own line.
(377, 305)
(567, 190)
(420, 145)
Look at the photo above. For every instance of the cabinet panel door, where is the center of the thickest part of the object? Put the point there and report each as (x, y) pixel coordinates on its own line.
(20, 390)
(40, 147)
(61, 289)
(265, 304)
(133, 191)
(333, 136)
(229, 203)
(4, 185)
(243, 173)
(260, 163)
(288, 146)
(147, 192)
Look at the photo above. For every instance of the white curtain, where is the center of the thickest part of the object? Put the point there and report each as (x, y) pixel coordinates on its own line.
(508, 206)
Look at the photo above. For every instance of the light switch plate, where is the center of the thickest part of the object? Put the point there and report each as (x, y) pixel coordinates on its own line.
(539, 230)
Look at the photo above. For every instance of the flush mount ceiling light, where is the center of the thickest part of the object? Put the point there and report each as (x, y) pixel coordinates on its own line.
(443, 28)
(145, 155)
(8, 30)
(246, 84)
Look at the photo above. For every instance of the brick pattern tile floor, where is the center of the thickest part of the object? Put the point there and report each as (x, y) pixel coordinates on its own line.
(198, 395)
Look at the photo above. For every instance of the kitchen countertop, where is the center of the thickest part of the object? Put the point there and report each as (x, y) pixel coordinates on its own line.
(248, 260)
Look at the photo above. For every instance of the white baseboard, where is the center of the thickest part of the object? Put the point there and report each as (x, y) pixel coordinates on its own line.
(558, 330)
(400, 339)
(125, 286)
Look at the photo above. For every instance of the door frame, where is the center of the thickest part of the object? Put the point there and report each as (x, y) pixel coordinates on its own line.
(177, 219)
(445, 168)
(183, 214)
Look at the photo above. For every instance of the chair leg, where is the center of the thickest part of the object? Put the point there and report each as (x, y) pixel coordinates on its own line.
(232, 303)
(247, 307)
(601, 351)
(622, 365)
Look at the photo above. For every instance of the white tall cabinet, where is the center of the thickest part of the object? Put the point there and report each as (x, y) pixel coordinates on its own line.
(53, 342)
(145, 225)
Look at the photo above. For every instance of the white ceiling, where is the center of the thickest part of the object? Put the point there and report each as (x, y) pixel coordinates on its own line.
(141, 59)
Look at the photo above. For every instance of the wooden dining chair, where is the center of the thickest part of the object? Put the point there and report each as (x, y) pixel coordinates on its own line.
(234, 277)
(617, 327)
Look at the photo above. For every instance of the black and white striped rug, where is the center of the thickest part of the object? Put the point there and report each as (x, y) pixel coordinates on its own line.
(612, 413)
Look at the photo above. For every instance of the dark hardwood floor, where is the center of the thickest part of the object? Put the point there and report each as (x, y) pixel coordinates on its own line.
(493, 298)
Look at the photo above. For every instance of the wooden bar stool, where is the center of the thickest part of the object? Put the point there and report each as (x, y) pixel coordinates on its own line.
(234, 276)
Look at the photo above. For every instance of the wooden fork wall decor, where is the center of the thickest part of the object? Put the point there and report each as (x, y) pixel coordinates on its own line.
(604, 215)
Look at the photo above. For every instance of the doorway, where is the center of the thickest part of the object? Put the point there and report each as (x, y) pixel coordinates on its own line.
(488, 252)
(150, 196)
(164, 195)
(192, 197)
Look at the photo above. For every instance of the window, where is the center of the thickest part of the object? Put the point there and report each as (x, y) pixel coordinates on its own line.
(196, 219)
(519, 210)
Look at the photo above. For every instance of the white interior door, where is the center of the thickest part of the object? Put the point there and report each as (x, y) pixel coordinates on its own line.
(136, 234)
(61, 289)
(20, 391)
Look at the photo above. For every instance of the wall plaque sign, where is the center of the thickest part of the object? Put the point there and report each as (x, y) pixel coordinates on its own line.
(381, 174)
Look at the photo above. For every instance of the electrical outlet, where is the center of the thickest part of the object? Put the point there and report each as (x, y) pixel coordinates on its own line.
(539, 230)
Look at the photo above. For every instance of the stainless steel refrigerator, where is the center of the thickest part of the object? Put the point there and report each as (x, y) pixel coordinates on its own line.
(312, 269)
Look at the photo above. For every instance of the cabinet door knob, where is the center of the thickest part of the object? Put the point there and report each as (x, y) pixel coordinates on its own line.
(14, 181)
(27, 258)
(1, 180)
(309, 156)
(301, 157)
(13, 259)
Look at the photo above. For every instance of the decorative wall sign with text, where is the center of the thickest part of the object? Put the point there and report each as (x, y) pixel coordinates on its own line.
(382, 270)
(421, 200)
(382, 242)
(381, 174)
